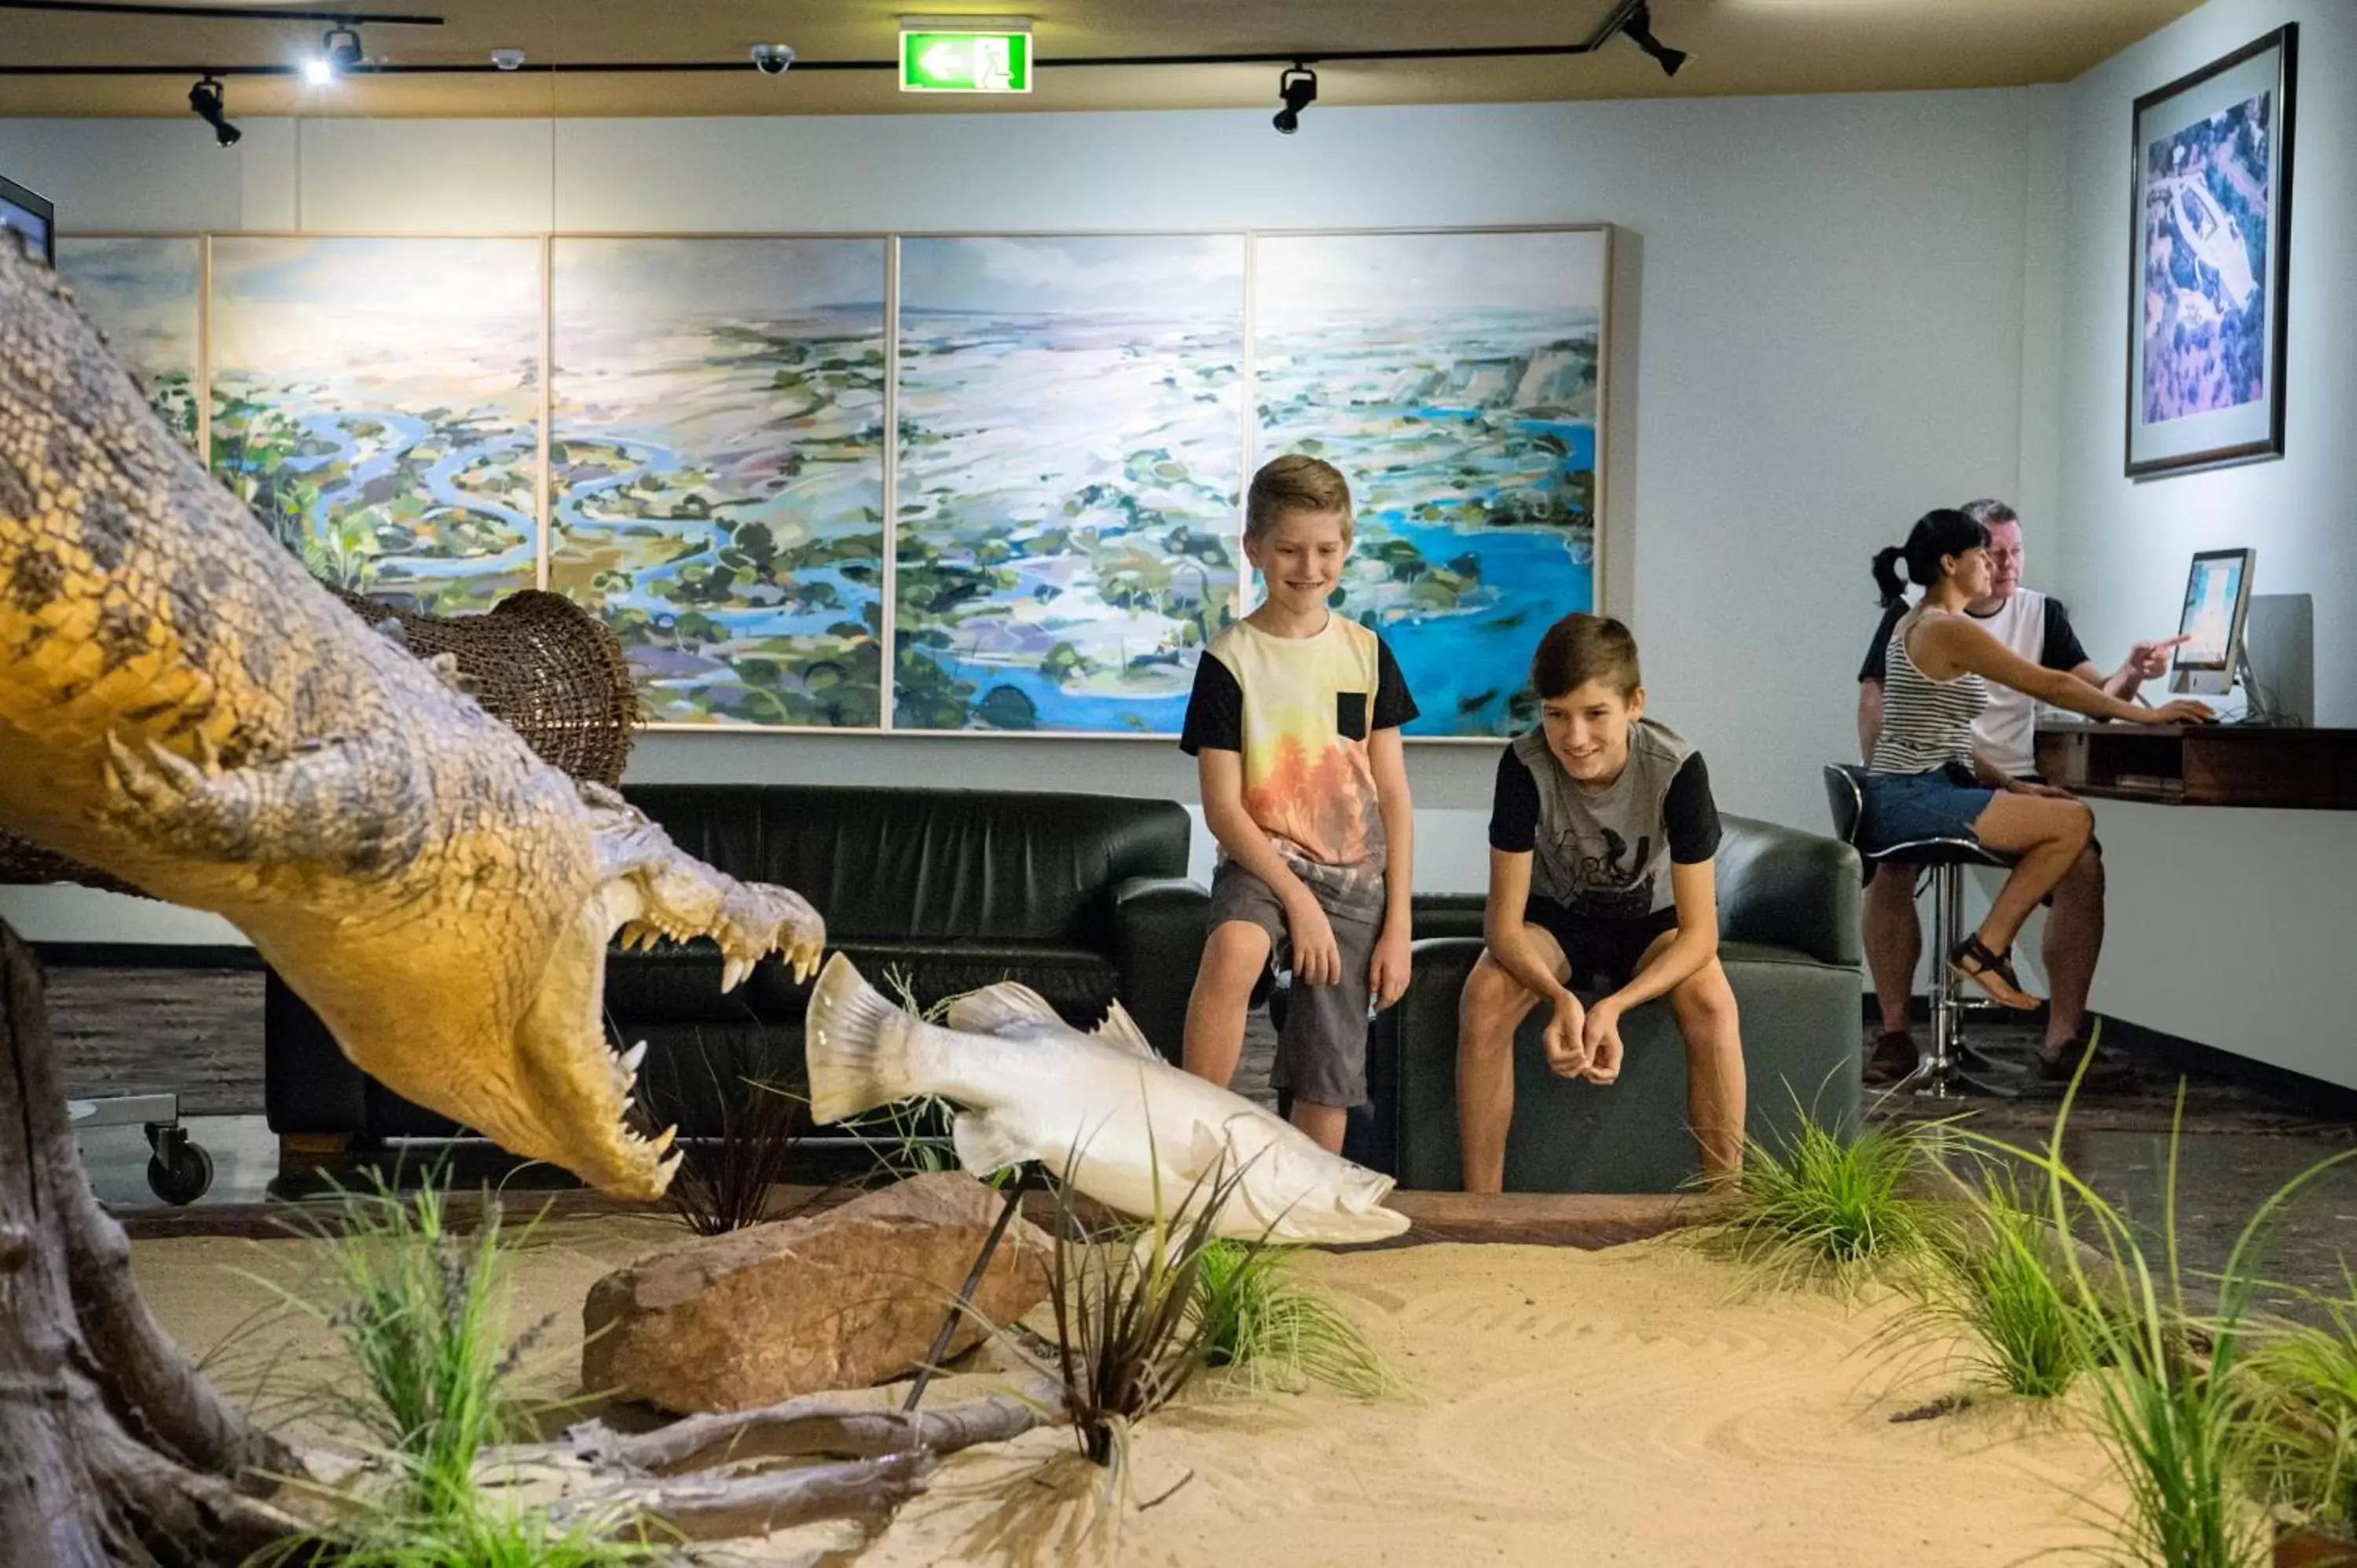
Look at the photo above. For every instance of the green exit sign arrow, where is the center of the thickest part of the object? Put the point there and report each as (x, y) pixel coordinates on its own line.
(965, 55)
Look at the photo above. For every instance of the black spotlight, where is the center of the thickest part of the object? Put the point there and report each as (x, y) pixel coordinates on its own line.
(1298, 85)
(1639, 29)
(205, 99)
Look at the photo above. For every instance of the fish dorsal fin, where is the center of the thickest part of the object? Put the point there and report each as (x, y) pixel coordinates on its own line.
(1120, 1029)
(1006, 1008)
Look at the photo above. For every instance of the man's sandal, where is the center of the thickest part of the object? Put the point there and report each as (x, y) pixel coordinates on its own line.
(1893, 1057)
(1992, 972)
(2110, 1070)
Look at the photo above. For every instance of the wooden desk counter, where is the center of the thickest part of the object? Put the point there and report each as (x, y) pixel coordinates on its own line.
(2204, 765)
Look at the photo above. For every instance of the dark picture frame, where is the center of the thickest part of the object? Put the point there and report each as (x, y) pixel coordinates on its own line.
(2209, 189)
(29, 212)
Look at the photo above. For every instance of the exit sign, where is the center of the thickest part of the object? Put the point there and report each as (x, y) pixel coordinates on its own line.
(946, 57)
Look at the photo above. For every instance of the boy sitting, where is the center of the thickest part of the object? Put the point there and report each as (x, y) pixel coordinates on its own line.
(1601, 839)
(1294, 724)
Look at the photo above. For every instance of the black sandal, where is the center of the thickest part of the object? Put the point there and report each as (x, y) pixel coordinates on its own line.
(1992, 972)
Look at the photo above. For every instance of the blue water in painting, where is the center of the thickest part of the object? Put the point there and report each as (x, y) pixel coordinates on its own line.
(1462, 666)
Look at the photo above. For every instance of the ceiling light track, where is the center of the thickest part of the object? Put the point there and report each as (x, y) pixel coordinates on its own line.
(221, 12)
(696, 67)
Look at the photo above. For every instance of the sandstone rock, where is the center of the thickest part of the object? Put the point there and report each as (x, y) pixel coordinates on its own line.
(837, 1300)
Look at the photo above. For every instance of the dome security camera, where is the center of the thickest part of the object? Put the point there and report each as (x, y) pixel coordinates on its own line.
(771, 59)
(507, 60)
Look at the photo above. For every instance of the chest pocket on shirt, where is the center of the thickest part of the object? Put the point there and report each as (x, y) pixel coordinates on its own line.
(1351, 714)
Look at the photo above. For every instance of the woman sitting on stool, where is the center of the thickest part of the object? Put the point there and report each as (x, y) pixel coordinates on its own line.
(1923, 780)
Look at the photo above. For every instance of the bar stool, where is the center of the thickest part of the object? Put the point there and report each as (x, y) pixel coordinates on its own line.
(1942, 1075)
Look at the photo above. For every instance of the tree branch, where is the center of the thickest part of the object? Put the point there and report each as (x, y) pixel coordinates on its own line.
(807, 1427)
(706, 1508)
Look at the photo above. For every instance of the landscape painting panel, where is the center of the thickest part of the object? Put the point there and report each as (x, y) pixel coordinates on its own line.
(1453, 378)
(143, 295)
(2205, 264)
(377, 403)
(1071, 456)
(717, 470)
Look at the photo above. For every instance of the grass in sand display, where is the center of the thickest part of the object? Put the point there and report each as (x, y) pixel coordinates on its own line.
(421, 1313)
(1819, 1210)
(1992, 1279)
(1272, 1331)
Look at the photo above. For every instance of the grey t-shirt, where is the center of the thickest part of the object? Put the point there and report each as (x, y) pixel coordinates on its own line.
(1606, 855)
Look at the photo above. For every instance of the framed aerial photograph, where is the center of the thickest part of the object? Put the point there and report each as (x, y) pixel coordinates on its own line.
(2211, 216)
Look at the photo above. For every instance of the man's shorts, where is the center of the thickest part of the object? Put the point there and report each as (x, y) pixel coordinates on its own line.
(1321, 1053)
(1603, 954)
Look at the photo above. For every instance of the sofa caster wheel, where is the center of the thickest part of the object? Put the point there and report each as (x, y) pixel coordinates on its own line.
(178, 1172)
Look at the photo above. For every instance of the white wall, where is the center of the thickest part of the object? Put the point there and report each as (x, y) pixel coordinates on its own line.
(1827, 311)
(2227, 927)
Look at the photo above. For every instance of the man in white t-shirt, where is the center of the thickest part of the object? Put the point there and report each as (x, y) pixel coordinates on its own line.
(2038, 628)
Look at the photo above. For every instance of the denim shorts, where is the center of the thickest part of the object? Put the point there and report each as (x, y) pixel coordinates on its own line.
(1905, 808)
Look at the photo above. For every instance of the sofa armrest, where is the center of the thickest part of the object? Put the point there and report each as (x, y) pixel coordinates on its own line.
(1158, 927)
(1782, 888)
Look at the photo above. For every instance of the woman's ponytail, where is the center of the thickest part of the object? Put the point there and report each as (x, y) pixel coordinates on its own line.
(1943, 532)
(1886, 578)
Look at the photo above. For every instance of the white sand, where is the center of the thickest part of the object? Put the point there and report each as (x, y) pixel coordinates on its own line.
(1575, 1407)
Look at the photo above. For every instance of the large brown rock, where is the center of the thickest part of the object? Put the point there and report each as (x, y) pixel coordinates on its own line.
(837, 1300)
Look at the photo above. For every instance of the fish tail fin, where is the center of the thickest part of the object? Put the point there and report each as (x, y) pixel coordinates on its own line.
(858, 1042)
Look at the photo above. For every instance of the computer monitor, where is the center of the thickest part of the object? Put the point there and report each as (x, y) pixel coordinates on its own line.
(31, 216)
(2217, 602)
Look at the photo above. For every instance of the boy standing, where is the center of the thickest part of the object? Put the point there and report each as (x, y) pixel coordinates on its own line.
(1294, 724)
(1601, 842)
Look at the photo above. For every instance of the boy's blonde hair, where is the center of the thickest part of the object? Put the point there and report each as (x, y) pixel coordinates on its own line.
(1294, 483)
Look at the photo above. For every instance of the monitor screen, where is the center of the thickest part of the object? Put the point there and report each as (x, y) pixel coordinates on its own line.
(23, 212)
(2217, 596)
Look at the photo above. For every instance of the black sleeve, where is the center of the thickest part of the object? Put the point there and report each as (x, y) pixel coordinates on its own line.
(1879, 649)
(1689, 815)
(1215, 710)
(1395, 704)
(1514, 808)
(2057, 645)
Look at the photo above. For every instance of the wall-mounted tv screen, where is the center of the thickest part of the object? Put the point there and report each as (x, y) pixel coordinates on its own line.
(23, 212)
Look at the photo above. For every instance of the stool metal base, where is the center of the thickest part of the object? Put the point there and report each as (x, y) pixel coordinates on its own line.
(1953, 1069)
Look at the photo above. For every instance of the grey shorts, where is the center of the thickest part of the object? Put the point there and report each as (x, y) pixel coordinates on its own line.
(1321, 1054)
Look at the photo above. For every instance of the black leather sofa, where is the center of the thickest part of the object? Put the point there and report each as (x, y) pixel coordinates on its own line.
(1789, 941)
(1083, 898)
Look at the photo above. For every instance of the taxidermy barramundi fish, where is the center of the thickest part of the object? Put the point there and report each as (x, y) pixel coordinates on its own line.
(1030, 1087)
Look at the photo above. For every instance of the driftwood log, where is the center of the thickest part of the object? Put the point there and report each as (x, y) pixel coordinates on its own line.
(112, 1446)
(799, 1428)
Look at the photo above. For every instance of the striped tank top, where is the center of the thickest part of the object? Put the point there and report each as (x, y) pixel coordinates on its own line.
(1926, 723)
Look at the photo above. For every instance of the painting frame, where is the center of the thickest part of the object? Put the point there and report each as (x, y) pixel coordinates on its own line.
(2171, 426)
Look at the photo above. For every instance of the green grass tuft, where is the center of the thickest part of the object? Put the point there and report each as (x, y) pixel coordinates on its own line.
(420, 1310)
(1826, 1211)
(1997, 1281)
(2170, 1384)
(1274, 1330)
(2303, 1414)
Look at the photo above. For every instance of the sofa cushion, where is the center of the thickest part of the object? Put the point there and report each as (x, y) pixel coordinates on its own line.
(930, 864)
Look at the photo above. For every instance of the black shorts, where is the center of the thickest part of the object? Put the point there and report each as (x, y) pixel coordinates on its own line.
(1604, 953)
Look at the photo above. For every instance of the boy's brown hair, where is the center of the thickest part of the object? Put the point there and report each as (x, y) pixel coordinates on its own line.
(1583, 647)
(1295, 483)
